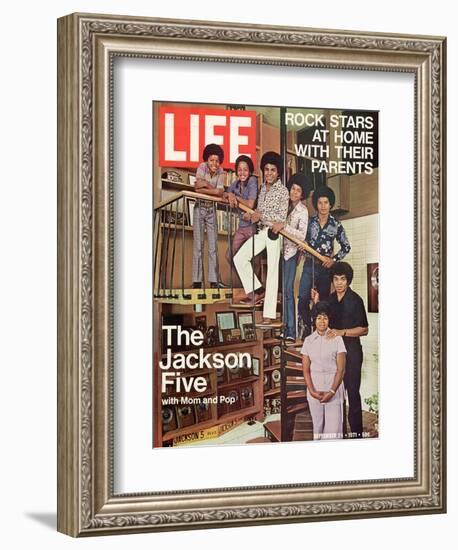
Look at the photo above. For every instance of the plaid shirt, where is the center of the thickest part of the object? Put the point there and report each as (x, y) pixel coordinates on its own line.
(273, 204)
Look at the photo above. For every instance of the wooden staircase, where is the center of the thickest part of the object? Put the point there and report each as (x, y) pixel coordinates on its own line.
(294, 392)
(296, 422)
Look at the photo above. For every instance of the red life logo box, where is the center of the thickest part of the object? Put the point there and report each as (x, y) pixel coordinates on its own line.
(185, 131)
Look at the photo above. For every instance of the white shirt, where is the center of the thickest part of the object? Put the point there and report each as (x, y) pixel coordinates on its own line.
(323, 352)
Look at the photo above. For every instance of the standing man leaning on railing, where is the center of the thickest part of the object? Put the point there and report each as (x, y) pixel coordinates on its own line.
(323, 230)
(244, 190)
(272, 207)
(300, 187)
(210, 179)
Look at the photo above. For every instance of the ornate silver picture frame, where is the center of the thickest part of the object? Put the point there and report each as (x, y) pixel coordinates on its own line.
(87, 46)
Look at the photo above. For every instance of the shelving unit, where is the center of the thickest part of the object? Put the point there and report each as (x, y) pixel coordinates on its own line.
(238, 382)
(221, 415)
(219, 348)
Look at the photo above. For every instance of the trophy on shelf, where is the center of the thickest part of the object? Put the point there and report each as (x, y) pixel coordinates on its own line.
(211, 337)
(235, 372)
(266, 356)
(267, 408)
(275, 406)
(276, 354)
(246, 396)
(185, 416)
(234, 397)
(276, 378)
(168, 419)
(266, 382)
(203, 412)
(220, 374)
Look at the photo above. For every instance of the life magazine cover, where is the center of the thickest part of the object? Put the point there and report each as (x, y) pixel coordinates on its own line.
(266, 274)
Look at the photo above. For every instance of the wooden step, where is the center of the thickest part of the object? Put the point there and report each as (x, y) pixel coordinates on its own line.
(293, 354)
(298, 407)
(296, 387)
(298, 394)
(295, 380)
(296, 344)
(303, 427)
(294, 369)
(273, 429)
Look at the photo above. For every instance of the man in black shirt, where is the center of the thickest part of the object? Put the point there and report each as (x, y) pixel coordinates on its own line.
(348, 319)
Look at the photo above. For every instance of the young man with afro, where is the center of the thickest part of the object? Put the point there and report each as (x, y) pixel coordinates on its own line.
(210, 178)
(323, 230)
(272, 209)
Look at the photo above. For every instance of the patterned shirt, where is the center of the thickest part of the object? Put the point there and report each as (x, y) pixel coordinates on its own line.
(296, 225)
(273, 204)
(249, 191)
(322, 238)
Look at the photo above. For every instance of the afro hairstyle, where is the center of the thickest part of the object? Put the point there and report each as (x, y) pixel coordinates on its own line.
(342, 268)
(323, 192)
(303, 181)
(321, 308)
(244, 158)
(272, 158)
(213, 149)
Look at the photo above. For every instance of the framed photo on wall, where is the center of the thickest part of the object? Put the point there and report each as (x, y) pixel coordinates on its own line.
(190, 204)
(372, 287)
(121, 269)
(225, 321)
(247, 325)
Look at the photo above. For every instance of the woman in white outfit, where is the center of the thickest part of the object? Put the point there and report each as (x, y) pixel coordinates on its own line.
(323, 362)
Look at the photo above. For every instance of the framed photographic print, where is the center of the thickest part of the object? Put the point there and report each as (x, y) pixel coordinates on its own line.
(372, 287)
(356, 112)
(201, 323)
(225, 320)
(247, 326)
(190, 204)
(255, 365)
